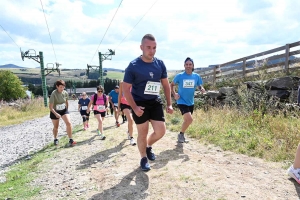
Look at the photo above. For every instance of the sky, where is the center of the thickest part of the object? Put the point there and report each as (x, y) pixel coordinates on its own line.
(72, 32)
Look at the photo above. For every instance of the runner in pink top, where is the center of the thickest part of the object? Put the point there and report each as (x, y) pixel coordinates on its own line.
(99, 103)
(124, 106)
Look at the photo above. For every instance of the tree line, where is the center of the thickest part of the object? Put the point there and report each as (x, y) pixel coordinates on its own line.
(109, 84)
(12, 88)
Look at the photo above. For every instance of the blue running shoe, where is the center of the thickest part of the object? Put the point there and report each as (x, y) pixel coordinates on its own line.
(150, 153)
(144, 164)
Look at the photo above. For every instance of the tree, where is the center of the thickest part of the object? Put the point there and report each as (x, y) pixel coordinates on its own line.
(10, 86)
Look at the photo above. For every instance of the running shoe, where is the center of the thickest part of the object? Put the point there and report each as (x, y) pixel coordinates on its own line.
(117, 124)
(72, 142)
(294, 173)
(181, 138)
(132, 142)
(145, 166)
(55, 142)
(150, 153)
(102, 137)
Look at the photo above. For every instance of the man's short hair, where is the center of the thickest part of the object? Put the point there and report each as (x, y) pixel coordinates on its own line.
(148, 37)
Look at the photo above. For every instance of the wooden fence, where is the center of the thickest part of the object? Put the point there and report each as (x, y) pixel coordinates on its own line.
(250, 65)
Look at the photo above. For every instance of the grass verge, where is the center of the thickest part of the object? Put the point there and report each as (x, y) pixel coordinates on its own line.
(19, 176)
(273, 138)
(29, 109)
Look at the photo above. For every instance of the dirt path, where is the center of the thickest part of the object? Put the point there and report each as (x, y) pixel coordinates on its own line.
(109, 169)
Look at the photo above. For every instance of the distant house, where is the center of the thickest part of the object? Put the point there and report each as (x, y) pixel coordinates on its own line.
(79, 91)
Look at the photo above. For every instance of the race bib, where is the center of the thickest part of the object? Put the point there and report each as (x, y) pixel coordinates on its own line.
(152, 88)
(99, 107)
(83, 107)
(60, 106)
(188, 83)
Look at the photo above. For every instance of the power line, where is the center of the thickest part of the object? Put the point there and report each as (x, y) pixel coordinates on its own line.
(9, 36)
(106, 31)
(48, 31)
(137, 23)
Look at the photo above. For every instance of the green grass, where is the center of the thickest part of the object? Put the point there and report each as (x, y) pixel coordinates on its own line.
(17, 185)
(19, 176)
(273, 138)
(114, 75)
(29, 109)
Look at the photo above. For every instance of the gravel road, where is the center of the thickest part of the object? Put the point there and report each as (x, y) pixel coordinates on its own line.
(18, 141)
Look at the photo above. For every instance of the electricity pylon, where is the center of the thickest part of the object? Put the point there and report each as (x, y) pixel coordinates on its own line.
(31, 54)
(102, 57)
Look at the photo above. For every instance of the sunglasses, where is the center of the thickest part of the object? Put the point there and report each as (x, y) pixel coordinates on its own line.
(100, 90)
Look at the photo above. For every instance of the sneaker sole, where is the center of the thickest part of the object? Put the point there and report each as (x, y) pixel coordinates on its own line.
(145, 170)
(103, 138)
(294, 177)
(133, 144)
(187, 141)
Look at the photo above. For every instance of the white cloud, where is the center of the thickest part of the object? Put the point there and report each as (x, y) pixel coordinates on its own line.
(209, 31)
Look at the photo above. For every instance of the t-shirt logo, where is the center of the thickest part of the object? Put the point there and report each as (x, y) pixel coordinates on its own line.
(151, 74)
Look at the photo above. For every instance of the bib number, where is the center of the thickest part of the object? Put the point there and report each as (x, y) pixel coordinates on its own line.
(188, 83)
(83, 107)
(152, 88)
(60, 106)
(99, 107)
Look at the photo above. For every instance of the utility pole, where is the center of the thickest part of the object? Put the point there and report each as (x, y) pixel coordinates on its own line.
(31, 54)
(102, 57)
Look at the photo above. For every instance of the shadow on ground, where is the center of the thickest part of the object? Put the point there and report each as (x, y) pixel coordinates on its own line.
(173, 154)
(100, 156)
(132, 186)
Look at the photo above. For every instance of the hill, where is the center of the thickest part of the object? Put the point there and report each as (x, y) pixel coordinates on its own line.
(10, 66)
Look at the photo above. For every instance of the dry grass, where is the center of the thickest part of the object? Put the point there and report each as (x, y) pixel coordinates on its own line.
(28, 109)
(273, 138)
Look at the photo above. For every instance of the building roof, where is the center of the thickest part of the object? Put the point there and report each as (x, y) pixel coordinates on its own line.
(81, 90)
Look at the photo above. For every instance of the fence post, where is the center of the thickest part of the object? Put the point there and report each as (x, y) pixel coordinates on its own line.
(287, 56)
(244, 67)
(215, 75)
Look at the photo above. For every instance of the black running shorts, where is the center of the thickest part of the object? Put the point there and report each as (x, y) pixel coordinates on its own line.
(153, 109)
(83, 112)
(124, 106)
(101, 113)
(61, 112)
(185, 109)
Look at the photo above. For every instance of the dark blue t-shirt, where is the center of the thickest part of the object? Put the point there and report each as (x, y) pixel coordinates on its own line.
(84, 103)
(138, 73)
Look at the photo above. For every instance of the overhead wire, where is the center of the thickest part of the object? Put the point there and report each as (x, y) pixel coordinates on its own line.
(137, 23)
(106, 31)
(9, 36)
(48, 31)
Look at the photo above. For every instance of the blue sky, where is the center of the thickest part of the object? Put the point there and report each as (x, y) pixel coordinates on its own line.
(210, 32)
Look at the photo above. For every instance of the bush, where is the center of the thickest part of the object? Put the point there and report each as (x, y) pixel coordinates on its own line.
(10, 86)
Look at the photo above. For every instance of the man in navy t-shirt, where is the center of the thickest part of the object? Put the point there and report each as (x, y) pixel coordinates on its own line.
(145, 75)
(187, 82)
